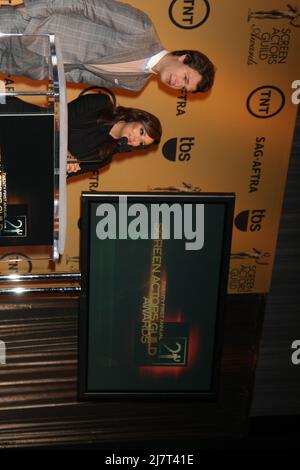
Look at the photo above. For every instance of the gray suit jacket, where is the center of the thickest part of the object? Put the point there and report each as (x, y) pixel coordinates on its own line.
(94, 32)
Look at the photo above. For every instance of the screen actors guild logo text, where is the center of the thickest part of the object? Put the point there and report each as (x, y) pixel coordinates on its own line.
(15, 263)
(265, 101)
(189, 14)
(259, 256)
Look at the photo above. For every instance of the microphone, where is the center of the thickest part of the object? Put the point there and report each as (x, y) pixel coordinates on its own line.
(122, 141)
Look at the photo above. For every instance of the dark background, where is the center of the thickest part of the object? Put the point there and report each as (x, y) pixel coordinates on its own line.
(277, 381)
(27, 157)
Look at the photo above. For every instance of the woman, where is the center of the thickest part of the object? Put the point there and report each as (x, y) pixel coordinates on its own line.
(97, 129)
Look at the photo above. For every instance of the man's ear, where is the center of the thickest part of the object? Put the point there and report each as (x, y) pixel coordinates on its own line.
(181, 58)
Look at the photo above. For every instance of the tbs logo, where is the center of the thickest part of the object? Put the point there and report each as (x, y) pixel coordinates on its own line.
(250, 220)
(178, 149)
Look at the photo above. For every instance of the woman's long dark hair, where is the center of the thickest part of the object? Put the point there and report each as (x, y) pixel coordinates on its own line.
(120, 113)
(150, 122)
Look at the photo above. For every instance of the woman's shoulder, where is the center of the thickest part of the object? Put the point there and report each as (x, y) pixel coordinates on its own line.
(94, 99)
(89, 106)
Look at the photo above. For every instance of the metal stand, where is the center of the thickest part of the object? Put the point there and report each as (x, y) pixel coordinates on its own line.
(71, 284)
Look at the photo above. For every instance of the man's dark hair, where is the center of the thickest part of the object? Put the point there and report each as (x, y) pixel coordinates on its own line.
(201, 63)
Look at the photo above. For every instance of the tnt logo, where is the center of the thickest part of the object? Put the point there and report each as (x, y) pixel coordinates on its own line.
(250, 220)
(179, 149)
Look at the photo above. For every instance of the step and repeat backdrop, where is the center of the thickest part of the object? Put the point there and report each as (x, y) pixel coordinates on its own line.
(236, 138)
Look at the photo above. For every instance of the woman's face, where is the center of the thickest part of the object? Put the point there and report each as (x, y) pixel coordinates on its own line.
(136, 134)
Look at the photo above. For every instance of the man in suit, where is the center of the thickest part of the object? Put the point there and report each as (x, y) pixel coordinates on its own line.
(103, 42)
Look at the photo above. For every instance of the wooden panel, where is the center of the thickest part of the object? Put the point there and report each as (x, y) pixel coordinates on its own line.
(277, 385)
(38, 385)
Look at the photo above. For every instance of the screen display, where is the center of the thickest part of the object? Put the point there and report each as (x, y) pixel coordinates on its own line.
(151, 292)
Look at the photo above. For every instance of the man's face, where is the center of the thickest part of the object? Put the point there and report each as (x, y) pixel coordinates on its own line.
(180, 76)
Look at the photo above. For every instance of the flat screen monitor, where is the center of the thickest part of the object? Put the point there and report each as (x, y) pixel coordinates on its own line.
(154, 275)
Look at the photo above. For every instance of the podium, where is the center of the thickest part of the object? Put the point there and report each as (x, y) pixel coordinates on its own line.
(33, 151)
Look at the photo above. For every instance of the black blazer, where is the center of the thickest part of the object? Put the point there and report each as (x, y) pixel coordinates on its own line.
(85, 135)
